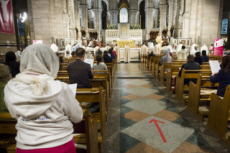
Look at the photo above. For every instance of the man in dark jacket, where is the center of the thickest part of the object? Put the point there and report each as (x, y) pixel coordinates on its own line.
(190, 65)
(79, 71)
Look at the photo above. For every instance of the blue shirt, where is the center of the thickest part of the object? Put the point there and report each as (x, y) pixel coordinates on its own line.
(223, 79)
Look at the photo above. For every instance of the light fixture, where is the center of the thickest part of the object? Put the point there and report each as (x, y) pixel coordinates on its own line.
(23, 17)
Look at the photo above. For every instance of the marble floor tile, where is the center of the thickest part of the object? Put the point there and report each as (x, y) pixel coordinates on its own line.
(146, 105)
(187, 147)
(141, 91)
(155, 97)
(148, 133)
(131, 97)
(143, 148)
(167, 115)
(136, 115)
(147, 86)
(129, 86)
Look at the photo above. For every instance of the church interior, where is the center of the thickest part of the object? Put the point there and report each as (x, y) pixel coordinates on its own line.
(114, 76)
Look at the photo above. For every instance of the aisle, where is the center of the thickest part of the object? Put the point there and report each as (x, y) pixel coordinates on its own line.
(144, 118)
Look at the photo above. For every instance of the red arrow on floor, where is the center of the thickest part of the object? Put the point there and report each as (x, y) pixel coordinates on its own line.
(159, 129)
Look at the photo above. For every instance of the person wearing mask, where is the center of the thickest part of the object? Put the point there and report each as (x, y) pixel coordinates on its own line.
(5, 76)
(10, 60)
(222, 77)
(106, 57)
(167, 58)
(79, 71)
(198, 59)
(204, 57)
(73, 57)
(44, 108)
(190, 65)
(99, 66)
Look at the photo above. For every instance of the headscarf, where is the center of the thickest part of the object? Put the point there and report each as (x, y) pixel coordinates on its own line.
(40, 59)
(167, 55)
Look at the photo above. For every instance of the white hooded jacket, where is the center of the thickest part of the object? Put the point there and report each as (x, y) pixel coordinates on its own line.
(43, 107)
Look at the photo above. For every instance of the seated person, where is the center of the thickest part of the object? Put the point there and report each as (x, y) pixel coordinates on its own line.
(167, 58)
(99, 66)
(5, 76)
(10, 60)
(79, 71)
(198, 59)
(151, 54)
(223, 76)
(114, 52)
(190, 65)
(43, 107)
(73, 57)
(111, 53)
(98, 52)
(204, 57)
(107, 58)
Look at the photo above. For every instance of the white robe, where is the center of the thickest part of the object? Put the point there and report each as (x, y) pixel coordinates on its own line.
(157, 48)
(68, 48)
(204, 47)
(170, 48)
(127, 54)
(117, 49)
(107, 48)
(179, 48)
(96, 49)
(144, 50)
(18, 56)
(192, 50)
(54, 47)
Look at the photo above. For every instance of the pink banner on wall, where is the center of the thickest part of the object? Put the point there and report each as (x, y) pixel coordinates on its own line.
(218, 47)
(6, 17)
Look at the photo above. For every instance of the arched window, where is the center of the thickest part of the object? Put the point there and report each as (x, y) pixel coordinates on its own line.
(123, 15)
(224, 28)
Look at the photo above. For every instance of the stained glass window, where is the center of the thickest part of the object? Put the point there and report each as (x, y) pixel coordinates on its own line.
(224, 28)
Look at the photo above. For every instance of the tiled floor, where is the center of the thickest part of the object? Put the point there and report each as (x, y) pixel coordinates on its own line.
(145, 118)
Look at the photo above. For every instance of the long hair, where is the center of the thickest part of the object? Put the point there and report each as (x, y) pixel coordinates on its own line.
(111, 51)
(99, 59)
(225, 66)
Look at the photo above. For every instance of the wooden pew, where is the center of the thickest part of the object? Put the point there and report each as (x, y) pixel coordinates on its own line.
(200, 92)
(92, 95)
(219, 114)
(86, 127)
(171, 74)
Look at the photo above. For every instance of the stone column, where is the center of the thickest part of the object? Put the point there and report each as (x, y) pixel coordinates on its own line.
(84, 9)
(170, 17)
(77, 17)
(132, 16)
(113, 16)
(149, 7)
(163, 15)
(98, 22)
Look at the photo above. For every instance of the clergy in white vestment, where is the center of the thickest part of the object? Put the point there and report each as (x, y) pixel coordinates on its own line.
(68, 50)
(179, 47)
(170, 48)
(144, 49)
(90, 44)
(54, 47)
(204, 47)
(193, 49)
(18, 55)
(117, 49)
(96, 49)
(157, 48)
(127, 54)
(107, 47)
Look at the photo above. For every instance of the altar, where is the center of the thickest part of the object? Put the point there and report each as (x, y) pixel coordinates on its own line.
(122, 43)
(123, 35)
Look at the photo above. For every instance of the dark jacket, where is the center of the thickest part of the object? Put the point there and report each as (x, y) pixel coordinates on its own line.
(152, 54)
(107, 58)
(189, 66)
(80, 73)
(224, 81)
(98, 52)
(14, 67)
(205, 58)
(198, 59)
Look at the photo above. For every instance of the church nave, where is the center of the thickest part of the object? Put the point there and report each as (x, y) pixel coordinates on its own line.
(137, 99)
